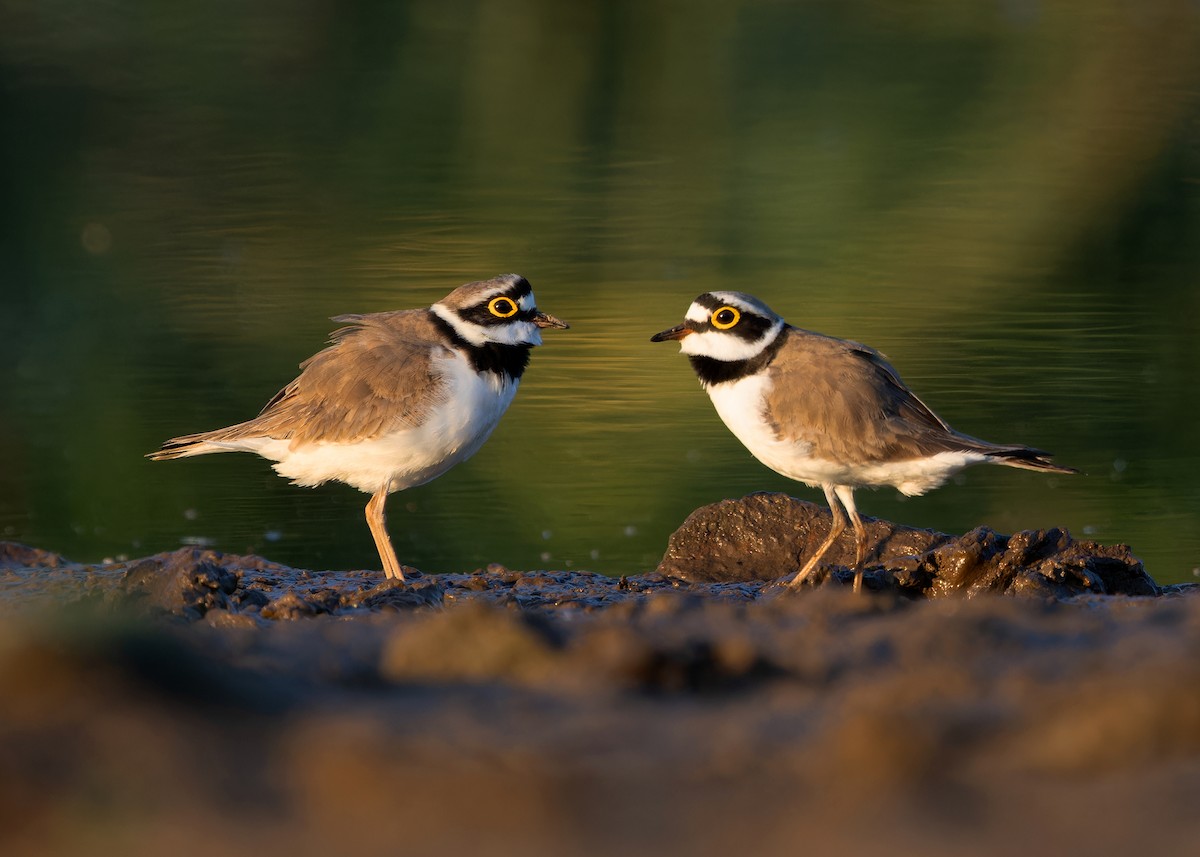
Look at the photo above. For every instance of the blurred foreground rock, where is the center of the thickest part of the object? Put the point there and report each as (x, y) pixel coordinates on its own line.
(768, 536)
(202, 703)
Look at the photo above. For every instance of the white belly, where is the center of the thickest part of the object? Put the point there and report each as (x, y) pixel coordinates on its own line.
(451, 433)
(740, 406)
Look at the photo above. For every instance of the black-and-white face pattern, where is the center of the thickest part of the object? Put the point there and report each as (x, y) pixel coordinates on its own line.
(500, 311)
(726, 326)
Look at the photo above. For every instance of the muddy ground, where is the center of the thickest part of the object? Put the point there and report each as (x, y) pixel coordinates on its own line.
(987, 695)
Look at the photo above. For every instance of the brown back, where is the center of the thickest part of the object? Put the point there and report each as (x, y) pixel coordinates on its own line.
(847, 401)
(376, 376)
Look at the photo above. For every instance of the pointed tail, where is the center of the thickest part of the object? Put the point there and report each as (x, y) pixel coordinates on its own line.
(186, 446)
(1027, 458)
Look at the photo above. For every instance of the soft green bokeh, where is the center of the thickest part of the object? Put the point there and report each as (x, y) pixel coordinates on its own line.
(1004, 197)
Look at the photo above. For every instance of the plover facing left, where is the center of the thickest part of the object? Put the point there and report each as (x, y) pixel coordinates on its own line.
(826, 412)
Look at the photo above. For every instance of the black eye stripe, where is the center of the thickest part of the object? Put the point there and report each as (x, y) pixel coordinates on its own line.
(481, 315)
(749, 327)
(751, 324)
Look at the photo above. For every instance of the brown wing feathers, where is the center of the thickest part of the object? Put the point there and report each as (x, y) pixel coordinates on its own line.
(377, 375)
(865, 411)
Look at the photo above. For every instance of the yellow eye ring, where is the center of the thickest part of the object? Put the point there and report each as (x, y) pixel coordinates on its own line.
(725, 318)
(503, 307)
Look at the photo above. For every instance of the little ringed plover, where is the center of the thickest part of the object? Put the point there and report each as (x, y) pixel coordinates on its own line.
(826, 412)
(397, 399)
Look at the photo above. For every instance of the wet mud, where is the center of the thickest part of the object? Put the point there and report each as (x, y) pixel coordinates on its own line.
(987, 693)
(762, 535)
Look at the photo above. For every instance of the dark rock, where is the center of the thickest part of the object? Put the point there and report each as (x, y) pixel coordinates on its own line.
(854, 725)
(1178, 589)
(250, 599)
(766, 536)
(1035, 563)
(967, 564)
(574, 589)
(498, 572)
(17, 555)
(471, 643)
(477, 583)
(648, 582)
(292, 606)
(397, 595)
(692, 665)
(185, 583)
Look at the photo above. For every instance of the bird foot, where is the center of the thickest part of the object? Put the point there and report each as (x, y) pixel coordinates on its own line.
(862, 583)
(812, 575)
(402, 573)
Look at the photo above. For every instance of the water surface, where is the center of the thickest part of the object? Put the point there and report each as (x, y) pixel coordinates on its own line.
(1005, 200)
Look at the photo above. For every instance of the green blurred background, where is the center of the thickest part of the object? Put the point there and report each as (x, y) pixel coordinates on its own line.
(1003, 196)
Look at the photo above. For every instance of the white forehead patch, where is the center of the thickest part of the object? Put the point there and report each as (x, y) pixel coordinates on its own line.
(746, 303)
(697, 312)
(500, 289)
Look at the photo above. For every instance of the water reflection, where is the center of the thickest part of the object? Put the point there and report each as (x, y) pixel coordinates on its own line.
(1005, 204)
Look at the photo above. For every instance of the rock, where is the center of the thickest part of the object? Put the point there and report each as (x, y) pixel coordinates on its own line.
(249, 599)
(17, 555)
(471, 643)
(187, 583)
(766, 536)
(642, 653)
(1034, 562)
(397, 595)
(292, 606)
